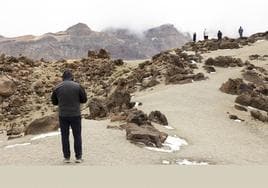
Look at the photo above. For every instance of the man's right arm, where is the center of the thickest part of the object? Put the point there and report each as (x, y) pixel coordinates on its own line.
(54, 98)
(82, 95)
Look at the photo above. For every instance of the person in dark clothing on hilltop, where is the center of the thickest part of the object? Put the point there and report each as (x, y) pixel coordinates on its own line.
(240, 31)
(219, 35)
(68, 95)
(205, 34)
(194, 37)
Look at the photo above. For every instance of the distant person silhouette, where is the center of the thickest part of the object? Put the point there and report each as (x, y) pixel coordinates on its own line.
(240, 31)
(219, 35)
(194, 37)
(205, 34)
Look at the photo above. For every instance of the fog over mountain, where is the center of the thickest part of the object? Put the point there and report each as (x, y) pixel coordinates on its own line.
(78, 39)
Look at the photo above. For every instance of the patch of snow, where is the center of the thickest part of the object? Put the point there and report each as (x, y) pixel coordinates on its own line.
(169, 127)
(187, 162)
(137, 104)
(45, 135)
(260, 41)
(171, 144)
(16, 145)
(193, 62)
(165, 162)
(212, 72)
(172, 53)
(252, 108)
(238, 120)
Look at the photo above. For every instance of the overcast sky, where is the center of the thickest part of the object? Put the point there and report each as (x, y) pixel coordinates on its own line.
(20, 17)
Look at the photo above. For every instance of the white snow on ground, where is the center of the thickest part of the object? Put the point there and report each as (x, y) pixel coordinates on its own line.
(169, 127)
(252, 108)
(171, 144)
(193, 62)
(46, 135)
(187, 162)
(238, 120)
(165, 162)
(16, 145)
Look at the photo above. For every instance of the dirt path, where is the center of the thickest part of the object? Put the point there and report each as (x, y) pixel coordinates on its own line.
(197, 111)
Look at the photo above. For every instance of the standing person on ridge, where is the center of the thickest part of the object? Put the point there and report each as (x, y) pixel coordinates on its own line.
(240, 31)
(205, 34)
(68, 95)
(194, 37)
(219, 34)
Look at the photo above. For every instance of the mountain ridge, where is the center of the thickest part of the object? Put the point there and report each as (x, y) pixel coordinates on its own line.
(76, 40)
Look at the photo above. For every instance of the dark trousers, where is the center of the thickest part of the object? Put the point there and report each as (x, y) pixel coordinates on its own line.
(75, 124)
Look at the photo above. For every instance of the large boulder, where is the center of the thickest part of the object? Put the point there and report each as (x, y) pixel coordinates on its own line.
(97, 109)
(118, 100)
(253, 76)
(7, 86)
(146, 134)
(138, 117)
(236, 87)
(228, 45)
(258, 115)
(103, 54)
(43, 125)
(259, 102)
(224, 61)
(158, 117)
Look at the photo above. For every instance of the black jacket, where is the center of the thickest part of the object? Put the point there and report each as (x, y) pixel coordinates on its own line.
(68, 95)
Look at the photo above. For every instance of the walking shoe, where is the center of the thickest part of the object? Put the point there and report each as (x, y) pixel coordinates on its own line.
(66, 160)
(80, 160)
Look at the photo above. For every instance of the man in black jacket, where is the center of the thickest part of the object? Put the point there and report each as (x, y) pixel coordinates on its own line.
(68, 95)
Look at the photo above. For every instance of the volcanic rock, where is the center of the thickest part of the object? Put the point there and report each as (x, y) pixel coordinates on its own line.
(236, 87)
(138, 117)
(224, 61)
(259, 102)
(43, 125)
(158, 117)
(258, 115)
(7, 86)
(145, 134)
(97, 109)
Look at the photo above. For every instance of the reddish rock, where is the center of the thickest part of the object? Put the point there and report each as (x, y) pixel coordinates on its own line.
(145, 134)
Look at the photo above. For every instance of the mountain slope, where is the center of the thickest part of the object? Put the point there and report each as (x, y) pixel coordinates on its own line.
(78, 39)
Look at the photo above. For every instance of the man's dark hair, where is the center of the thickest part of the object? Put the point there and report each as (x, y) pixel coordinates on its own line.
(67, 75)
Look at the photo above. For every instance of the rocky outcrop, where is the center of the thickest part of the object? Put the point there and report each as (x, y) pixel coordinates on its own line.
(209, 69)
(158, 117)
(97, 109)
(145, 134)
(259, 116)
(259, 101)
(7, 86)
(236, 87)
(224, 61)
(225, 43)
(43, 125)
(138, 117)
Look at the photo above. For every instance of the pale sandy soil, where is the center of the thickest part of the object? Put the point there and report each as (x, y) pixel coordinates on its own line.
(197, 111)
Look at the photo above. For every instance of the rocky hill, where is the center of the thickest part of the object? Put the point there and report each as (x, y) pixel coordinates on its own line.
(78, 39)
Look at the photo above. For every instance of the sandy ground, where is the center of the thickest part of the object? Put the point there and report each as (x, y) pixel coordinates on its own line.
(197, 111)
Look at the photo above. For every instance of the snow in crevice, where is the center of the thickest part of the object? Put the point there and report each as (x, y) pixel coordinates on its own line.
(170, 145)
